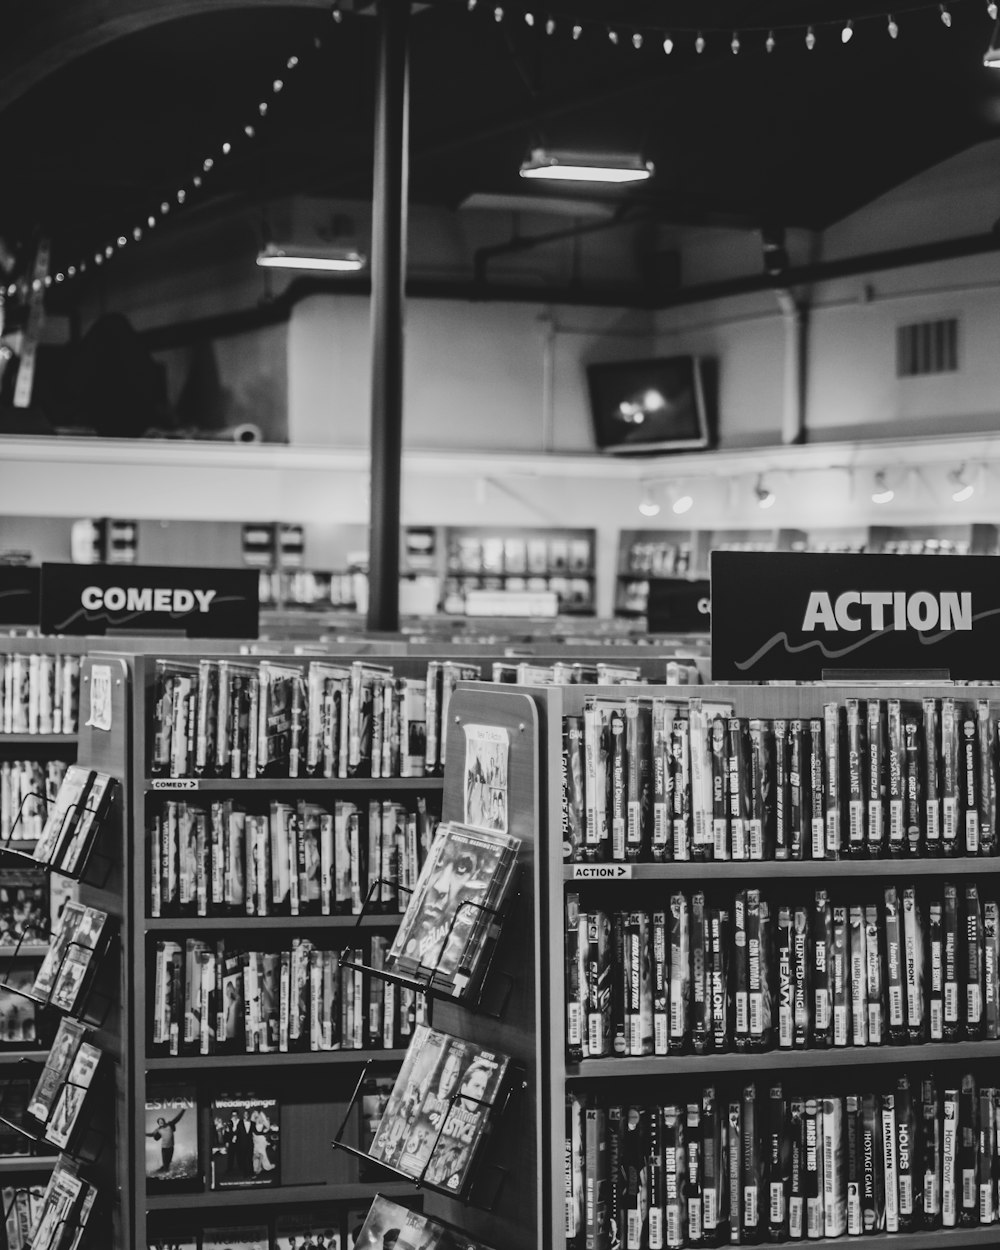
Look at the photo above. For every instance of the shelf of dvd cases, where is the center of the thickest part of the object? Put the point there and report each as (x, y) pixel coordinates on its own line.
(625, 886)
(271, 1059)
(625, 1069)
(279, 1195)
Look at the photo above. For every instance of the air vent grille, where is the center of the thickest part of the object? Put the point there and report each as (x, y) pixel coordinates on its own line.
(927, 347)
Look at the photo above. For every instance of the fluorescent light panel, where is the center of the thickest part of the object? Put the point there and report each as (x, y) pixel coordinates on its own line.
(585, 167)
(332, 260)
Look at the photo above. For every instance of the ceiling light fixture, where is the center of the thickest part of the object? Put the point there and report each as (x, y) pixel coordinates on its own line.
(883, 492)
(991, 57)
(682, 504)
(314, 259)
(765, 496)
(963, 488)
(585, 167)
(648, 504)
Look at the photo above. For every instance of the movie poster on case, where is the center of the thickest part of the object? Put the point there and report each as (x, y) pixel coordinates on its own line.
(486, 752)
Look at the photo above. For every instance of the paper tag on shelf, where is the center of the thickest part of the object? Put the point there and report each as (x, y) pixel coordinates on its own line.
(601, 872)
(100, 697)
(174, 783)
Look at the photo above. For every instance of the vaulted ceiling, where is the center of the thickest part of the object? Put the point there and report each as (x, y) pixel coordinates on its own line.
(107, 107)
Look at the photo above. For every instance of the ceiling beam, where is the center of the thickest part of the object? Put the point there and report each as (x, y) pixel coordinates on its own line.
(58, 33)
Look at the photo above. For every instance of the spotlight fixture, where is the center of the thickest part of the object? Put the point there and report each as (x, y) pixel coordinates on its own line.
(648, 506)
(991, 57)
(963, 488)
(883, 492)
(765, 496)
(315, 259)
(585, 167)
(682, 504)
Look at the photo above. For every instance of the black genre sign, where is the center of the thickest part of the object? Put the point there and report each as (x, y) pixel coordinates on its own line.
(789, 616)
(201, 603)
(678, 606)
(18, 595)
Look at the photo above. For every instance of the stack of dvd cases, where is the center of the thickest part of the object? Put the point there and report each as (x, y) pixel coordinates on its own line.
(657, 779)
(294, 858)
(706, 972)
(217, 998)
(246, 718)
(751, 1163)
(39, 693)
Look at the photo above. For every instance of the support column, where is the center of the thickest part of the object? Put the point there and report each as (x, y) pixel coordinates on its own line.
(389, 196)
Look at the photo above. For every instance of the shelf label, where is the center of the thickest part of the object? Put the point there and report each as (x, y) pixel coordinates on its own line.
(601, 872)
(174, 783)
(802, 617)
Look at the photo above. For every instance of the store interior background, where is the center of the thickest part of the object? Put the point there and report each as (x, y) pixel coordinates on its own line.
(497, 426)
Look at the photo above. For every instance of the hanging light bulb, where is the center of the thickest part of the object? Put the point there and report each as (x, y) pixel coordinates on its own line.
(498, 14)
(637, 41)
(529, 19)
(963, 488)
(765, 496)
(668, 45)
(883, 492)
(577, 32)
(893, 28)
(471, 4)
(735, 44)
(769, 41)
(847, 34)
(550, 26)
(613, 36)
(945, 14)
(699, 43)
(810, 39)
(992, 10)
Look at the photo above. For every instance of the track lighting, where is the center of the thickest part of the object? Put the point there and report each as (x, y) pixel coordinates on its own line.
(765, 496)
(585, 167)
(883, 492)
(648, 504)
(963, 488)
(682, 504)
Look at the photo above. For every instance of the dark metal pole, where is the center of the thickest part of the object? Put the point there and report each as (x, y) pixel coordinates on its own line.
(388, 277)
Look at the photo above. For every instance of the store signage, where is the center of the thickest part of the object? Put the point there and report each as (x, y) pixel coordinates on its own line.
(601, 872)
(201, 603)
(791, 616)
(678, 606)
(174, 783)
(18, 595)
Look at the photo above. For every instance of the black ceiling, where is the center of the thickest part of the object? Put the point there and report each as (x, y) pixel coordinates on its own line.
(97, 134)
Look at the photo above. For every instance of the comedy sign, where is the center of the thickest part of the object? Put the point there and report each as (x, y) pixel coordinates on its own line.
(201, 603)
(786, 616)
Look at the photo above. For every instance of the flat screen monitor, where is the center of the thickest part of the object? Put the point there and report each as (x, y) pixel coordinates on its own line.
(649, 405)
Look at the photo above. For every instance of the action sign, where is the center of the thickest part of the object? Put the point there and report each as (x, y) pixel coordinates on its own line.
(18, 595)
(787, 616)
(202, 603)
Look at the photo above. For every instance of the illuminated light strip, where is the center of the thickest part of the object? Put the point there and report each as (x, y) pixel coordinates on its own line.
(553, 18)
(246, 135)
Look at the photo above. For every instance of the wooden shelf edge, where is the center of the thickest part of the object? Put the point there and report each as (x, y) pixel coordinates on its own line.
(338, 1058)
(308, 785)
(26, 1163)
(741, 1061)
(294, 923)
(279, 1195)
(776, 869)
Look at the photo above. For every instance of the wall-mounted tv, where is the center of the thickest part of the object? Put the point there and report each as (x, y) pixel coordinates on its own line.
(651, 405)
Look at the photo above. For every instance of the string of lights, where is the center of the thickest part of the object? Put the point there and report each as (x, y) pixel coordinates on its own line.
(242, 136)
(668, 37)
